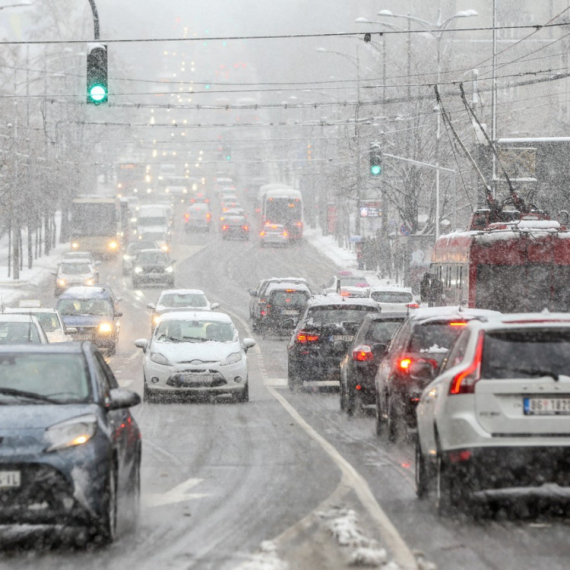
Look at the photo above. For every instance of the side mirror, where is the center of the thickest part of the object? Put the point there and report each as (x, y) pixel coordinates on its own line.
(248, 343)
(120, 398)
(379, 350)
(119, 314)
(214, 306)
(252, 292)
(70, 330)
(151, 306)
(142, 343)
(422, 371)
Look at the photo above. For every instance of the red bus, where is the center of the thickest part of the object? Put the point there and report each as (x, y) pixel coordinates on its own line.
(519, 266)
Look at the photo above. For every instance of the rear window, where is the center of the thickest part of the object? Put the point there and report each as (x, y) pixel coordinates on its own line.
(392, 296)
(433, 338)
(526, 354)
(75, 268)
(19, 333)
(329, 315)
(382, 331)
(353, 282)
(295, 299)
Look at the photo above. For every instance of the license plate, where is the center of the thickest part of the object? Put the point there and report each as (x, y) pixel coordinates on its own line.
(547, 406)
(10, 479)
(290, 312)
(343, 337)
(205, 378)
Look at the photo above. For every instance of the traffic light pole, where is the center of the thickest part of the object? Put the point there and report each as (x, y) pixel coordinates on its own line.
(95, 19)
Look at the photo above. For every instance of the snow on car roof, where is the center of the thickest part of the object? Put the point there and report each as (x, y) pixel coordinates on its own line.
(196, 316)
(17, 318)
(85, 293)
(391, 289)
(280, 285)
(182, 292)
(28, 310)
(333, 300)
(444, 313)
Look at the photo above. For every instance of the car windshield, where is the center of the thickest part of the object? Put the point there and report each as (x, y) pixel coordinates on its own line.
(59, 377)
(434, 338)
(392, 296)
(135, 247)
(331, 315)
(526, 354)
(353, 281)
(195, 331)
(382, 331)
(48, 321)
(19, 333)
(152, 257)
(85, 307)
(156, 236)
(74, 268)
(293, 299)
(180, 300)
(149, 221)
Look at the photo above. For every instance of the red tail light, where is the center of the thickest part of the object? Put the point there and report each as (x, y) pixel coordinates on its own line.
(464, 382)
(404, 363)
(304, 337)
(362, 353)
(208, 216)
(457, 324)
(245, 227)
(299, 224)
(261, 233)
(413, 306)
(285, 234)
(224, 228)
(186, 217)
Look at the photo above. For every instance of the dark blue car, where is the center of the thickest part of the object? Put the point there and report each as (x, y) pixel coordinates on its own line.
(70, 450)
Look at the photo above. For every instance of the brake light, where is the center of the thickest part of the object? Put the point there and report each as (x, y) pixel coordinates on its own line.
(245, 227)
(362, 353)
(299, 224)
(261, 233)
(262, 313)
(413, 306)
(208, 216)
(464, 382)
(304, 337)
(459, 456)
(186, 217)
(285, 234)
(404, 363)
(344, 293)
(458, 324)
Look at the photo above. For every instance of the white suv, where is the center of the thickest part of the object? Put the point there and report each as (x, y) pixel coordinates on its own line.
(498, 415)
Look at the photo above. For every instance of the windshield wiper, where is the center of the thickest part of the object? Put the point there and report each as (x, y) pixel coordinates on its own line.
(28, 395)
(195, 338)
(536, 372)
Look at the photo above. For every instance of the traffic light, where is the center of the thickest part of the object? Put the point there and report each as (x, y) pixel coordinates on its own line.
(97, 85)
(375, 159)
(227, 153)
(309, 151)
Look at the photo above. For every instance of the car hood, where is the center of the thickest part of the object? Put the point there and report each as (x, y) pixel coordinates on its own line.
(75, 276)
(84, 320)
(40, 415)
(202, 351)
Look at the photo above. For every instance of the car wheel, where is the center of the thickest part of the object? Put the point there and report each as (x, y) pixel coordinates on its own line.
(148, 395)
(350, 399)
(106, 524)
(243, 396)
(379, 422)
(293, 381)
(134, 495)
(342, 392)
(392, 419)
(443, 496)
(422, 477)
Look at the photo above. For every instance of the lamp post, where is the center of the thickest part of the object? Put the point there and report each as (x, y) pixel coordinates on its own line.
(439, 26)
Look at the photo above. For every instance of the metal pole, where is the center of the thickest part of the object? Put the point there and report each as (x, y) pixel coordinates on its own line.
(357, 226)
(494, 96)
(95, 19)
(437, 136)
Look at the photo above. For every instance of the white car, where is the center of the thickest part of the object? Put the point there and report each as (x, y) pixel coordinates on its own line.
(346, 281)
(50, 321)
(394, 299)
(195, 354)
(273, 234)
(71, 273)
(21, 329)
(495, 421)
(176, 300)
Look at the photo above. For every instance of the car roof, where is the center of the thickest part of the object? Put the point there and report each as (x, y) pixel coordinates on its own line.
(154, 250)
(290, 279)
(386, 316)
(337, 300)
(182, 292)
(195, 316)
(283, 285)
(28, 310)
(451, 313)
(527, 320)
(17, 318)
(388, 289)
(56, 347)
(71, 261)
(86, 293)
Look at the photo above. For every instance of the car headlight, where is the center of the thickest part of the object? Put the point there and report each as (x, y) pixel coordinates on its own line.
(169, 269)
(62, 282)
(164, 247)
(138, 269)
(126, 257)
(156, 320)
(74, 245)
(89, 281)
(71, 433)
(159, 358)
(233, 358)
(113, 245)
(105, 328)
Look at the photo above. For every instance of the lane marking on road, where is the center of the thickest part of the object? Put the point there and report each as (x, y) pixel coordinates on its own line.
(277, 382)
(125, 383)
(134, 355)
(178, 494)
(392, 538)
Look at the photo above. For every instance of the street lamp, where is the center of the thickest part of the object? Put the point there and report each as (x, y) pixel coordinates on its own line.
(436, 29)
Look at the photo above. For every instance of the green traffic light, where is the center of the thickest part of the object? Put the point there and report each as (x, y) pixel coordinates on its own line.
(228, 157)
(376, 170)
(98, 93)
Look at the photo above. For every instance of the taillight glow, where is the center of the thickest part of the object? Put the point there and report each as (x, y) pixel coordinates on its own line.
(299, 224)
(245, 227)
(285, 234)
(458, 324)
(404, 363)
(303, 337)
(261, 233)
(208, 216)
(362, 353)
(186, 217)
(459, 456)
(464, 382)
(224, 228)
(413, 306)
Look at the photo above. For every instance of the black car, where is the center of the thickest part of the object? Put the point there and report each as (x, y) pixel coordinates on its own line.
(322, 337)
(153, 266)
(413, 360)
(235, 227)
(71, 450)
(285, 304)
(358, 367)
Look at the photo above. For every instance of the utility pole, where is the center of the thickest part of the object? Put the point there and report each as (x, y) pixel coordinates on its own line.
(494, 97)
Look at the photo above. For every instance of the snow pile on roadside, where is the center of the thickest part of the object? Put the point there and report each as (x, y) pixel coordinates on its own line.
(343, 525)
(327, 245)
(265, 558)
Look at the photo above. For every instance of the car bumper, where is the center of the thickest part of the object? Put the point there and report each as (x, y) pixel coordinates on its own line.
(154, 277)
(316, 369)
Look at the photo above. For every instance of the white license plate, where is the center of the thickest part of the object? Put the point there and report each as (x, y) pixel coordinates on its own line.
(290, 312)
(343, 337)
(547, 406)
(10, 479)
(196, 378)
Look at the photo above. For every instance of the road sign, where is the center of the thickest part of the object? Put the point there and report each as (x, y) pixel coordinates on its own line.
(370, 209)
